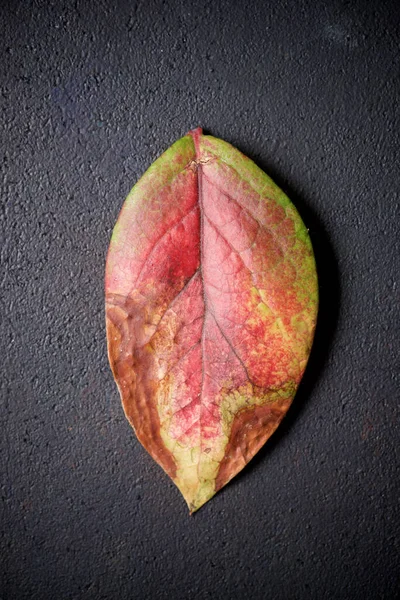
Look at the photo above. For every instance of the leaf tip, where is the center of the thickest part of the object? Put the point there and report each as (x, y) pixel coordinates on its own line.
(197, 497)
(193, 508)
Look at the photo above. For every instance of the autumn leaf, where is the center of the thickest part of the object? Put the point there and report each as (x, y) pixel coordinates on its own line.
(211, 303)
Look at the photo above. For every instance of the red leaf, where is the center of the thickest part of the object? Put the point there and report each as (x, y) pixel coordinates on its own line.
(211, 302)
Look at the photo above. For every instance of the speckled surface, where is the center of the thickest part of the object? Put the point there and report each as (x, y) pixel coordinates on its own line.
(89, 98)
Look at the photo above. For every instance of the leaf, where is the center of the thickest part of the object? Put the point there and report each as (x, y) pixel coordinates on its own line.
(211, 303)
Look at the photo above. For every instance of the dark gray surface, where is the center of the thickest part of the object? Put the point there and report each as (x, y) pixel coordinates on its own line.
(91, 94)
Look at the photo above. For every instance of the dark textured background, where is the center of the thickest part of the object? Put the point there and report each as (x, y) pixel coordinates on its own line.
(91, 94)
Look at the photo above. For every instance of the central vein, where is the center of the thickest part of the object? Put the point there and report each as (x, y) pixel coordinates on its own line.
(196, 135)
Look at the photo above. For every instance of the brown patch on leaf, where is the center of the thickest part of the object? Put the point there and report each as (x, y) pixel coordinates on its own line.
(251, 428)
(133, 365)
